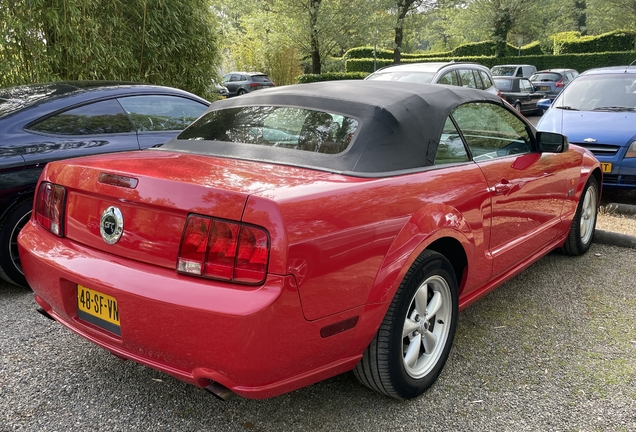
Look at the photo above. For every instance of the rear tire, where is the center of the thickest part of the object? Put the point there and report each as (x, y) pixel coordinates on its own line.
(10, 226)
(518, 107)
(414, 340)
(241, 92)
(584, 223)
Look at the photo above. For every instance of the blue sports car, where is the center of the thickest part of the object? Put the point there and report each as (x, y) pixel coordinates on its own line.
(41, 123)
(597, 110)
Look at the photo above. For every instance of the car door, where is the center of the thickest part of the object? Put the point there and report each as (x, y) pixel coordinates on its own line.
(231, 82)
(527, 95)
(159, 118)
(98, 127)
(528, 189)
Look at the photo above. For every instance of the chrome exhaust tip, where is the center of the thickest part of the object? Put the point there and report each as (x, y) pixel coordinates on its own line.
(219, 391)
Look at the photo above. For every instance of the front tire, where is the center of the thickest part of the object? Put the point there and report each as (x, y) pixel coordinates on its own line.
(584, 223)
(414, 340)
(10, 226)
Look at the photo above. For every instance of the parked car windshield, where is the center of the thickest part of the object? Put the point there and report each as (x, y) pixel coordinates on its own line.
(504, 71)
(600, 93)
(405, 76)
(286, 127)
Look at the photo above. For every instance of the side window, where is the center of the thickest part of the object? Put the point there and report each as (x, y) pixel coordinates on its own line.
(234, 78)
(486, 80)
(491, 131)
(467, 77)
(525, 86)
(451, 147)
(159, 113)
(449, 78)
(105, 117)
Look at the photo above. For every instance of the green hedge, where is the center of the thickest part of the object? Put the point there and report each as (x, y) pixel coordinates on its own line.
(475, 49)
(533, 48)
(615, 41)
(333, 76)
(366, 65)
(366, 52)
(580, 62)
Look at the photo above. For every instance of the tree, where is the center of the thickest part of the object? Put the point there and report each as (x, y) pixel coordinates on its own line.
(608, 15)
(402, 9)
(500, 17)
(171, 42)
(270, 31)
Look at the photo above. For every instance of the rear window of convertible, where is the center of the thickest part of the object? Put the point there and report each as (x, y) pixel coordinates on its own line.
(286, 127)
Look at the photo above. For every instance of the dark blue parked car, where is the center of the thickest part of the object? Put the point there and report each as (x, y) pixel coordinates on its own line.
(40, 123)
(597, 110)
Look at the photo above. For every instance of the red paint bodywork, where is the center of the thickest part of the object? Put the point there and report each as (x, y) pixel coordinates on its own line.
(340, 247)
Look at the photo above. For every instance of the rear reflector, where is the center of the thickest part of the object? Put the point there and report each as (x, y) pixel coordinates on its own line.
(49, 207)
(224, 250)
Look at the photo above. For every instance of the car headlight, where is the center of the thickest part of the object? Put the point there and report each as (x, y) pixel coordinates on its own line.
(631, 151)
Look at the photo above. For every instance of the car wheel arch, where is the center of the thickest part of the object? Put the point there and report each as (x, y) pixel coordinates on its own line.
(450, 242)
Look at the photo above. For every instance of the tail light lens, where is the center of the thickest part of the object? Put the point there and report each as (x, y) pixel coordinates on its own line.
(559, 84)
(254, 85)
(224, 250)
(49, 207)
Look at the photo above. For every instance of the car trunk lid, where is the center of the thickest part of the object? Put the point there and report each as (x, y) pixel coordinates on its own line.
(155, 192)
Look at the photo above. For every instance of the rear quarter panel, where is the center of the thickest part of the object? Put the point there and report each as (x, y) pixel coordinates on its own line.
(349, 241)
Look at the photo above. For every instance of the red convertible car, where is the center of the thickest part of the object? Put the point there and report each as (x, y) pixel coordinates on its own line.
(297, 233)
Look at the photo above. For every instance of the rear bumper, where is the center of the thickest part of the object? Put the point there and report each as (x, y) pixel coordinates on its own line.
(252, 340)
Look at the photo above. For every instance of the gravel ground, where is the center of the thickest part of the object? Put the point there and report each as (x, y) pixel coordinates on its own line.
(554, 349)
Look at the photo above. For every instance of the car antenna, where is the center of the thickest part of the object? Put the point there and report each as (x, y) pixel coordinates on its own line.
(627, 67)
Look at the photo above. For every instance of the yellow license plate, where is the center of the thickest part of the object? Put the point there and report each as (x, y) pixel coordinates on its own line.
(98, 308)
(543, 88)
(606, 167)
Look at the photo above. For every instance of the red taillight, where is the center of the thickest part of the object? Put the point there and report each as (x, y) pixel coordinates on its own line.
(253, 252)
(49, 207)
(559, 84)
(224, 250)
(254, 85)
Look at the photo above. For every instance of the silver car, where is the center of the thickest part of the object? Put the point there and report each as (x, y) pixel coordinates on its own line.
(471, 75)
(239, 83)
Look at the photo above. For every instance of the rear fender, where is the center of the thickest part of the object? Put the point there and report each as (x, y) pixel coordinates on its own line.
(266, 213)
(431, 223)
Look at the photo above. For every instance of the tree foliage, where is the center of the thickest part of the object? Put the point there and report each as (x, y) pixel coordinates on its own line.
(170, 42)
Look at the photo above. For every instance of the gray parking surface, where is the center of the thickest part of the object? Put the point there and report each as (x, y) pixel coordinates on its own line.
(554, 349)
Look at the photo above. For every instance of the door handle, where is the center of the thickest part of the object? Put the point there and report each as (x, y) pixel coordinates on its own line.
(503, 188)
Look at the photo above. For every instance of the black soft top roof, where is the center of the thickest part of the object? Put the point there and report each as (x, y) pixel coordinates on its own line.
(399, 124)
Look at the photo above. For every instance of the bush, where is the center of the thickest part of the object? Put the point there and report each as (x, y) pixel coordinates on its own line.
(333, 64)
(615, 41)
(172, 42)
(367, 52)
(580, 62)
(332, 76)
(533, 48)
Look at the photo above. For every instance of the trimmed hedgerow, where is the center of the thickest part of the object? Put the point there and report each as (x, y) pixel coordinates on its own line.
(331, 76)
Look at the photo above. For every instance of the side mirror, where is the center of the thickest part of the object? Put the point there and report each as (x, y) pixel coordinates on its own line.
(544, 104)
(550, 142)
